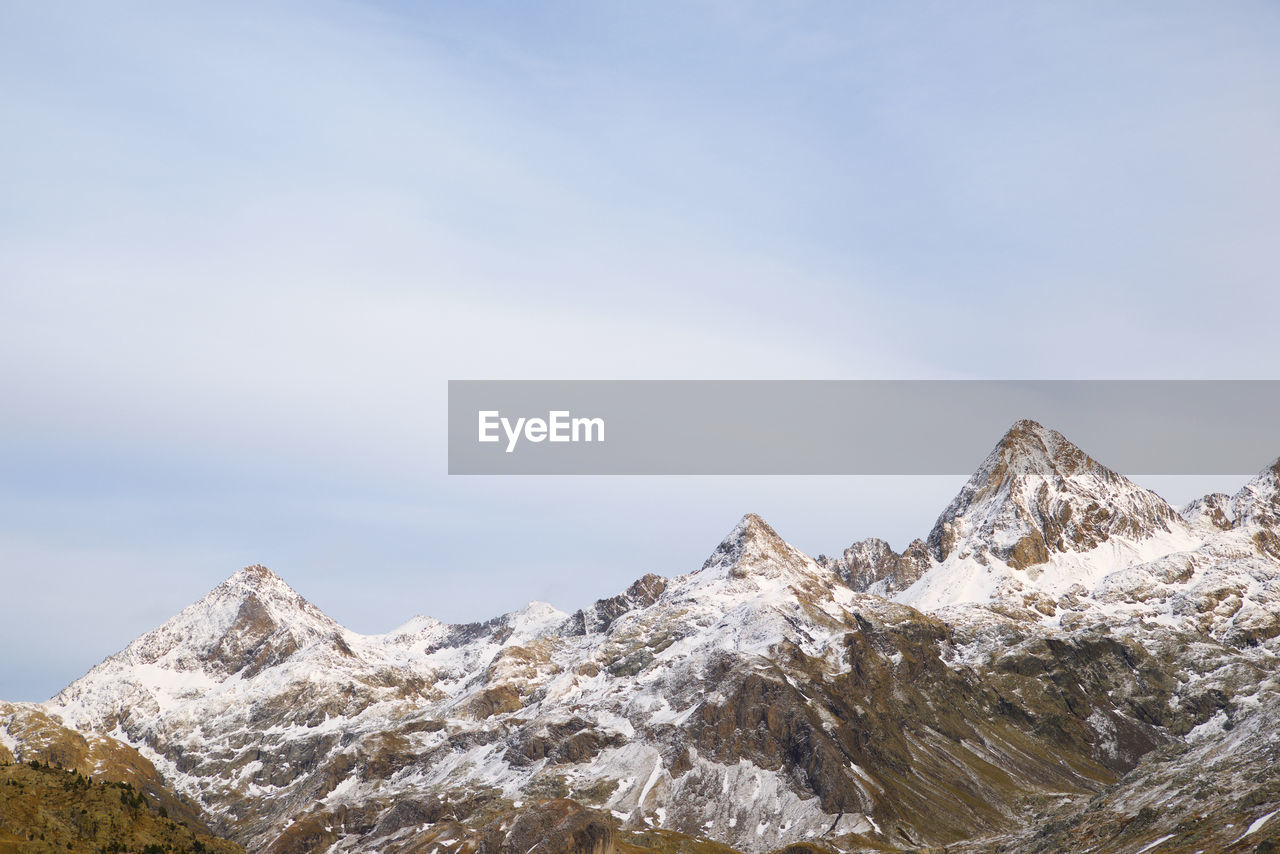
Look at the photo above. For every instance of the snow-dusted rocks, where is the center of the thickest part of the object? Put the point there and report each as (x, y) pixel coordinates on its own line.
(1037, 495)
(1038, 519)
(872, 566)
(1257, 504)
(752, 548)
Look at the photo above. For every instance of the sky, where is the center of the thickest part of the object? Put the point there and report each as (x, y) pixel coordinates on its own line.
(244, 246)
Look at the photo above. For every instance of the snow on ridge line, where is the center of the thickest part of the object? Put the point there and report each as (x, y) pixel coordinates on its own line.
(752, 567)
(965, 580)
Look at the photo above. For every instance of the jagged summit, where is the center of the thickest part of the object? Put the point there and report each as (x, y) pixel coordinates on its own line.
(872, 565)
(1256, 504)
(1037, 494)
(753, 546)
(1212, 511)
(643, 592)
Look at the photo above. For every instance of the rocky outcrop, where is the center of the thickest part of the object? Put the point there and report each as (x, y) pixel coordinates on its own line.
(897, 735)
(1214, 791)
(643, 593)
(872, 565)
(1257, 504)
(1213, 510)
(558, 826)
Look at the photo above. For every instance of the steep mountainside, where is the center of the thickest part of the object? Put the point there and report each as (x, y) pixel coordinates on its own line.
(1063, 639)
(1257, 504)
(1216, 790)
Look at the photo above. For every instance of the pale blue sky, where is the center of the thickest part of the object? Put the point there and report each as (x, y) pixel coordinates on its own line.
(243, 246)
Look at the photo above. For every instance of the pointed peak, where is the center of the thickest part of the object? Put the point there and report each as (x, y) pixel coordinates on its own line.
(255, 573)
(1026, 427)
(753, 526)
(259, 588)
(750, 529)
(751, 543)
(257, 581)
(250, 622)
(1030, 447)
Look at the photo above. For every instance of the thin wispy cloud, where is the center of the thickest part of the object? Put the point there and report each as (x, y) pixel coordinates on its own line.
(243, 246)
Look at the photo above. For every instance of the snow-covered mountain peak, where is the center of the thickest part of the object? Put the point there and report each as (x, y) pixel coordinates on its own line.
(418, 624)
(255, 575)
(1037, 494)
(1029, 447)
(754, 547)
(534, 620)
(256, 582)
(247, 623)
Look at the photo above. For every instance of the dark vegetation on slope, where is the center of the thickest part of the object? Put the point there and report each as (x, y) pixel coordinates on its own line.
(46, 809)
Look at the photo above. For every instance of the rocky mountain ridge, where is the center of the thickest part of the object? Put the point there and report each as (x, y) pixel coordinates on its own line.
(1059, 631)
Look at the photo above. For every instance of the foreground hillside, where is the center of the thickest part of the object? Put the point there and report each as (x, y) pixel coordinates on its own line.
(1064, 660)
(44, 809)
(29, 734)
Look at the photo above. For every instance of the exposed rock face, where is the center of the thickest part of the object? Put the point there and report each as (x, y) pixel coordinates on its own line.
(1258, 503)
(872, 565)
(643, 593)
(1037, 494)
(902, 718)
(1213, 510)
(1073, 634)
(1214, 791)
(558, 826)
(1256, 506)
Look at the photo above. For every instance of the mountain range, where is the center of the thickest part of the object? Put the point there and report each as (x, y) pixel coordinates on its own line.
(1065, 662)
